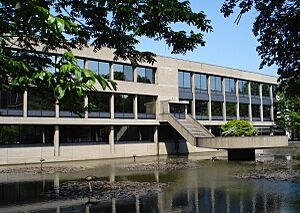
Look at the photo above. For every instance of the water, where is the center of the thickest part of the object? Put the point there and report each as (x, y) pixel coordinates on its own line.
(209, 188)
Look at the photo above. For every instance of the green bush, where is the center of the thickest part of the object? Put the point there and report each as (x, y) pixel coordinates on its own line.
(238, 128)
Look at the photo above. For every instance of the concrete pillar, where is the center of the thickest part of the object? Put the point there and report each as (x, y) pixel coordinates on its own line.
(156, 139)
(237, 99)
(112, 139)
(156, 174)
(212, 198)
(113, 205)
(112, 175)
(224, 98)
(135, 107)
(56, 183)
(196, 199)
(261, 104)
(86, 103)
(249, 106)
(85, 64)
(134, 75)
(111, 71)
(241, 204)
(137, 204)
(194, 100)
(241, 154)
(253, 202)
(160, 202)
(271, 131)
(272, 103)
(227, 203)
(56, 109)
(209, 98)
(25, 104)
(157, 108)
(43, 136)
(112, 107)
(56, 141)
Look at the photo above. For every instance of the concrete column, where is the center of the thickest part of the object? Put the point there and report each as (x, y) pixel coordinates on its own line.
(113, 205)
(196, 199)
(261, 104)
(112, 175)
(135, 107)
(237, 100)
(194, 100)
(111, 71)
(86, 103)
(112, 139)
(212, 194)
(85, 64)
(160, 202)
(227, 203)
(157, 108)
(56, 109)
(209, 98)
(271, 131)
(56, 141)
(56, 183)
(272, 103)
(156, 175)
(224, 98)
(25, 104)
(249, 106)
(134, 75)
(156, 139)
(241, 204)
(112, 106)
(137, 204)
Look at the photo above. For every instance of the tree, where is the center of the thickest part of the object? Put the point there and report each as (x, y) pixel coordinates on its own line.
(68, 24)
(277, 28)
(289, 117)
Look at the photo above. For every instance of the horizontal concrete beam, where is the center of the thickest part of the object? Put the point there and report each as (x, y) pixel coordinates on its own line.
(255, 142)
(75, 121)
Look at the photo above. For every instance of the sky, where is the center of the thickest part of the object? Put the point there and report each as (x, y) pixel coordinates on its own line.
(229, 45)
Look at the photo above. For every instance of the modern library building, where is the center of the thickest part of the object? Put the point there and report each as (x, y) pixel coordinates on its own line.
(147, 114)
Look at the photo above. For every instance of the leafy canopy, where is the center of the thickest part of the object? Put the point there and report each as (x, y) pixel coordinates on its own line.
(277, 28)
(73, 24)
(289, 118)
(238, 128)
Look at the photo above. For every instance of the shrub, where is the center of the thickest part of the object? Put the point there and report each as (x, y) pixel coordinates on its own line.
(238, 128)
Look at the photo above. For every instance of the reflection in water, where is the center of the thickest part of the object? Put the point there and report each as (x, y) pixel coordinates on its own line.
(209, 188)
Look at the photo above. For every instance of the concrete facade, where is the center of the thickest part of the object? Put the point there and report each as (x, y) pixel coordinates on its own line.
(166, 91)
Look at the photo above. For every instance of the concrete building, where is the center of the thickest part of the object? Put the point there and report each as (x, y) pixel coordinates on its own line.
(142, 117)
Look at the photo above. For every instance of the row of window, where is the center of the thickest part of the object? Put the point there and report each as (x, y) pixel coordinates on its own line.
(201, 111)
(30, 134)
(184, 81)
(123, 72)
(41, 103)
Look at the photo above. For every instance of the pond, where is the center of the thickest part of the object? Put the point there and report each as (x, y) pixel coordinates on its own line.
(193, 185)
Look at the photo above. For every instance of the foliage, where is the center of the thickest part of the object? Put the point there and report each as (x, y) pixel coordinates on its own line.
(238, 128)
(34, 25)
(277, 30)
(289, 117)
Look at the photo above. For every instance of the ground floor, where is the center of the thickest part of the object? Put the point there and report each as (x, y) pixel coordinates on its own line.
(30, 143)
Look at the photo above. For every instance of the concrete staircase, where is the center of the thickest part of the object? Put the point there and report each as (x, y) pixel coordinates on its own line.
(189, 128)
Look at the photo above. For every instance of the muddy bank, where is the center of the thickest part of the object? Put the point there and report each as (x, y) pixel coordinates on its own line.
(280, 170)
(162, 165)
(104, 190)
(39, 170)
